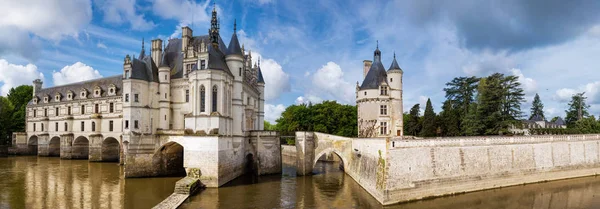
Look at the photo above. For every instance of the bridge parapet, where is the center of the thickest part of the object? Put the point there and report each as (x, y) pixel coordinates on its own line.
(489, 140)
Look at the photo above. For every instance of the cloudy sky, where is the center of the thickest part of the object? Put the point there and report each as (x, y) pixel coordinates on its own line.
(313, 50)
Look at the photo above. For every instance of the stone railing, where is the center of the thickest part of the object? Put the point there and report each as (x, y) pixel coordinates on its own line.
(489, 140)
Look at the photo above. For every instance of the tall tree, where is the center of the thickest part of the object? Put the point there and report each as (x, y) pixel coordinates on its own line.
(6, 123)
(490, 104)
(449, 120)
(472, 124)
(413, 124)
(537, 108)
(513, 97)
(461, 91)
(429, 124)
(578, 109)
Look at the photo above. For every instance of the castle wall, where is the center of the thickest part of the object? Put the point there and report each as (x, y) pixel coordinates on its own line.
(424, 168)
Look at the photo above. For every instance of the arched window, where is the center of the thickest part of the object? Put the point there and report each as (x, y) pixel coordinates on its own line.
(66, 126)
(202, 99)
(214, 99)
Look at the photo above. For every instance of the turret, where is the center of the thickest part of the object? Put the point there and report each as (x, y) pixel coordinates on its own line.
(37, 86)
(261, 102)
(164, 87)
(394, 75)
(234, 57)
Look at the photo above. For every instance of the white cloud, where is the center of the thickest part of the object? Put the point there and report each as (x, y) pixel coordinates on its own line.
(307, 99)
(529, 85)
(277, 81)
(592, 92)
(101, 45)
(23, 21)
(124, 11)
(328, 82)
(273, 112)
(74, 73)
(12, 75)
(185, 11)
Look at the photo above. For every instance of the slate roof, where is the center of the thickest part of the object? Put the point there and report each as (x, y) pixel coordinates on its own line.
(103, 83)
(394, 65)
(234, 46)
(174, 55)
(260, 76)
(537, 118)
(375, 76)
(144, 69)
(560, 122)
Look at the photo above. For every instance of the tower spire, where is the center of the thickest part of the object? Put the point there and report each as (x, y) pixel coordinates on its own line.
(142, 43)
(234, 25)
(214, 28)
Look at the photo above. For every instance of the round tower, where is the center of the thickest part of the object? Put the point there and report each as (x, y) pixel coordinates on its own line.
(395, 83)
(164, 86)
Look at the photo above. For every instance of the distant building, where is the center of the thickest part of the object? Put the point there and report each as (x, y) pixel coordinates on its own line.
(537, 122)
(379, 99)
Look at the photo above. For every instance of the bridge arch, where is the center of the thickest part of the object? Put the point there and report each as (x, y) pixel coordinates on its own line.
(168, 160)
(54, 147)
(81, 148)
(110, 150)
(32, 145)
(330, 150)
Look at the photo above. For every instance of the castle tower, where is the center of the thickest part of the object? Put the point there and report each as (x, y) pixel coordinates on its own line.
(37, 86)
(395, 87)
(261, 102)
(164, 86)
(235, 62)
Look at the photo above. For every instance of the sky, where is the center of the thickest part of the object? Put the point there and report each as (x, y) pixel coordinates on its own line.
(313, 50)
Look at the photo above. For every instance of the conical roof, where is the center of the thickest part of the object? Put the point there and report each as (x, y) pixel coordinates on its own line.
(260, 76)
(394, 65)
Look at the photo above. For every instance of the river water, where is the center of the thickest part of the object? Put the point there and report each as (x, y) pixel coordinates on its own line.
(32, 182)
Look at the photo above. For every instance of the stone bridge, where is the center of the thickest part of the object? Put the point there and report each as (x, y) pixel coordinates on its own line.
(213, 159)
(95, 147)
(363, 159)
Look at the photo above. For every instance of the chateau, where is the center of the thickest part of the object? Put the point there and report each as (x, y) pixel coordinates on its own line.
(193, 93)
(379, 99)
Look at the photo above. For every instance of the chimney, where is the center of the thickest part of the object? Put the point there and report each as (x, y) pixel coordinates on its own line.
(366, 67)
(186, 36)
(156, 51)
(37, 86)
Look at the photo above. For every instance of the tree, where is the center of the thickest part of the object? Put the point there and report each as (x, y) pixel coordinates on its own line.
(578, 109)
(449, 120)
(328, 117)
(588, 125)
(489, 108)
(513, 97)
(268, 126)
(413, 124)
(429, 125)
(461, 91)
(554, 119)
(537, 108)
(472, 125)
(6, 123)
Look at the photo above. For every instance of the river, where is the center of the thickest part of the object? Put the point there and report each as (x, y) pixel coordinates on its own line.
(41, 182)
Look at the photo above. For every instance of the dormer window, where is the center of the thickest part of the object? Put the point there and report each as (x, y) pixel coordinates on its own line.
(97, 91)
(70, 95)
(112, 90)
(35, 101)
(57, 98)
(46, 99)
(83, 94)
(384, 90)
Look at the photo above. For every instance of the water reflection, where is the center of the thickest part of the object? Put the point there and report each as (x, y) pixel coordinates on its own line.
(32, 182)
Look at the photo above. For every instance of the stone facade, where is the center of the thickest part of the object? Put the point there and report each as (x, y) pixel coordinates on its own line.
(379, 99)
(193, 105)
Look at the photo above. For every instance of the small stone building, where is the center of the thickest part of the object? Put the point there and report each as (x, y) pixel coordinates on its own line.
(379, 99)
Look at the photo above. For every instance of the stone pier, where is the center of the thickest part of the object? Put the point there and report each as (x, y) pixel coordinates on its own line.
(43, 145)
(95, 148)
(66, 146)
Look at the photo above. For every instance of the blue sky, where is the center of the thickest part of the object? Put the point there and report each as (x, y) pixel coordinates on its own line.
(313, 50)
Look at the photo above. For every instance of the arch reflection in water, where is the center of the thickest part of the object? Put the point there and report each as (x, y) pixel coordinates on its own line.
(54, 147)
(41, 182)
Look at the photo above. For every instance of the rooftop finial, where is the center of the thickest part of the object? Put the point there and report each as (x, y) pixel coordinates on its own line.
(142, 43)
(214, 6)
(234, 25)
(394, 54)
(377, 44)
(258, 61)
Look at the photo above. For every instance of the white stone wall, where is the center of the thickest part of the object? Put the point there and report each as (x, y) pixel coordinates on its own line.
(425, 168)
